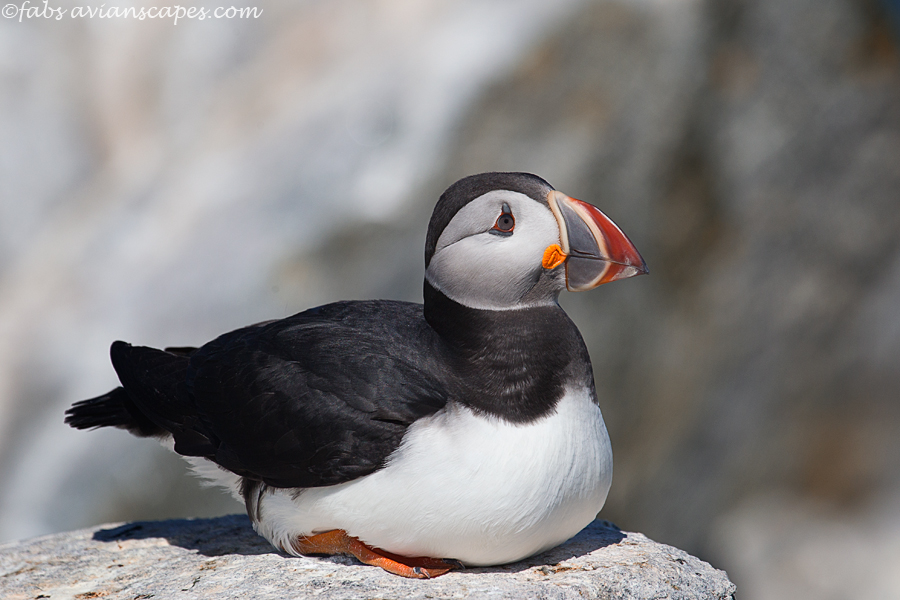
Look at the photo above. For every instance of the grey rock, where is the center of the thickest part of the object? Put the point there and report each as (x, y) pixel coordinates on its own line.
(224, 558)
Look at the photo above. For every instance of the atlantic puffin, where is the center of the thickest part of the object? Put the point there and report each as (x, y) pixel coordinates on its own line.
(464, 431)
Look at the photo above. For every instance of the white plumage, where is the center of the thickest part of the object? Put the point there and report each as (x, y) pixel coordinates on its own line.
(465, 486)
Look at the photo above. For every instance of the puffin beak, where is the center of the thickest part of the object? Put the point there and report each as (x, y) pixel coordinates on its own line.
(593, 247)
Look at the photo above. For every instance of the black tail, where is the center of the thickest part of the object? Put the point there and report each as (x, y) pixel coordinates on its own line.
(112, 409)
(147, 374)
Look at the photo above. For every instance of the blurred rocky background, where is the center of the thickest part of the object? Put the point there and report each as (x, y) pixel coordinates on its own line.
(164, 183)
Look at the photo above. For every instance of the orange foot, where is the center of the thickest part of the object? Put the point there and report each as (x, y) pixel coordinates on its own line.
(337, 541)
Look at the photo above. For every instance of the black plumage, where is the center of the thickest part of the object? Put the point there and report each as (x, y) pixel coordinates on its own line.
(113, 409)
(468, 188)
(315, 399)
(325, 396)
(509, 364)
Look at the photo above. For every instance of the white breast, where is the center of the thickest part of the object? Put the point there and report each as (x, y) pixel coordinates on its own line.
(465, 486)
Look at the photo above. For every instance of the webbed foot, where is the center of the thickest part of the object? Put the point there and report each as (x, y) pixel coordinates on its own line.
(337, 541)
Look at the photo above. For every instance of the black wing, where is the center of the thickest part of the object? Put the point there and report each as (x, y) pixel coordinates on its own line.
(316, 399)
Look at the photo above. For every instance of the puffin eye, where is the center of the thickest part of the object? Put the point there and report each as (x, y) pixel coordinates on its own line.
(505, 222)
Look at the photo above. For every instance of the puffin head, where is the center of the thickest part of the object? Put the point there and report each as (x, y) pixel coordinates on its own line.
(500, 241)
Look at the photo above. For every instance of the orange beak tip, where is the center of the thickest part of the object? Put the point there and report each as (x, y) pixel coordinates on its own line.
(619, 271)
(597, 251)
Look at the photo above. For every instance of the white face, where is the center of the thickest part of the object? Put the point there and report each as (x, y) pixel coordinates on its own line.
(480, 267)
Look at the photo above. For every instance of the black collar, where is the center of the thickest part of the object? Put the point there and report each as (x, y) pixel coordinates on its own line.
(514, 364)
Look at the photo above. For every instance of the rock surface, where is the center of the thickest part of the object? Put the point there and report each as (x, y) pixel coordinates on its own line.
(224, 558)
